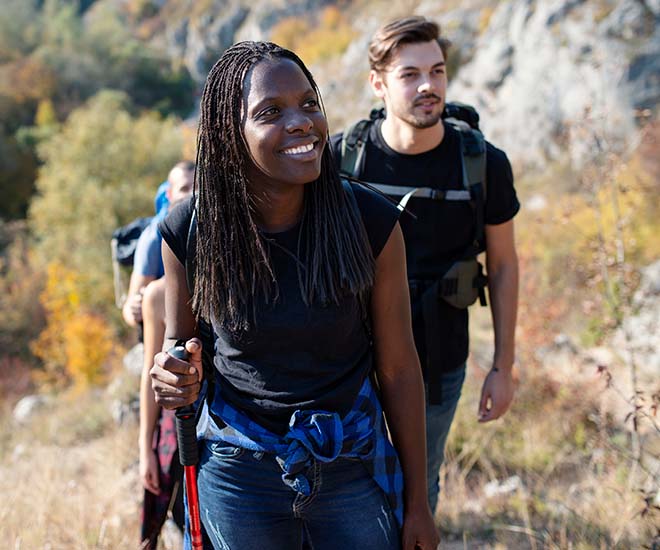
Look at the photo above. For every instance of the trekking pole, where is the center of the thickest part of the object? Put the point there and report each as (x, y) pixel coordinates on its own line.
(186, 435)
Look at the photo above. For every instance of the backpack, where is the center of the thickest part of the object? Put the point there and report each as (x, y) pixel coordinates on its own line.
(462, 281)
(122, 248)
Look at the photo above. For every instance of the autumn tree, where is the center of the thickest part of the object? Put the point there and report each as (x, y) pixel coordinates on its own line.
(99, 172)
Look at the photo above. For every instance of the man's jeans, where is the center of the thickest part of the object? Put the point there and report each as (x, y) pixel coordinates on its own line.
(438, 421)
(244, 504)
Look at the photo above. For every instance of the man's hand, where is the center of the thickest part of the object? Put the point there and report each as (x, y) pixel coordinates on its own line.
(496, 394)
(419, 531)
(176, 383)
(133, 308)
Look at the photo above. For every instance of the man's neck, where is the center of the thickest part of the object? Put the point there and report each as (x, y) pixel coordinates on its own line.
(408, 140)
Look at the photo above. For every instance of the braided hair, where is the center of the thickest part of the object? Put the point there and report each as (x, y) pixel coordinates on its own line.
(232, 263)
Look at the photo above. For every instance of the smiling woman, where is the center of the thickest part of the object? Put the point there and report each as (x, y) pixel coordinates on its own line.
(302, 277)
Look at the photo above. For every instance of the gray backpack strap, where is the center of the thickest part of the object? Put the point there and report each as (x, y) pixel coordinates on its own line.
(473, 149)
(408, 192)
(353, 144)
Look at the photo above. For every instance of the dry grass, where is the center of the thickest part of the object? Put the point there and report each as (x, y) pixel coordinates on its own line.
(575, 488)
(69, 479)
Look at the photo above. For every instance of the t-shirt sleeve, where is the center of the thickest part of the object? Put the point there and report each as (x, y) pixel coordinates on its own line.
(501, 200)
(148, 260)
(379, 216)
(174, 228)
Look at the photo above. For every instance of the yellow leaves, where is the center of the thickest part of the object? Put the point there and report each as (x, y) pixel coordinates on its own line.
(45, 114)
(87, 344)
(329, 37)
(76, 343)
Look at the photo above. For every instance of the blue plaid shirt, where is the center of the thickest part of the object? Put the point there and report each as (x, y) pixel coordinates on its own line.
(323, 436)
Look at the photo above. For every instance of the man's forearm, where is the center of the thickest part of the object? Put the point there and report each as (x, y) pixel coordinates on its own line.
(503, 291)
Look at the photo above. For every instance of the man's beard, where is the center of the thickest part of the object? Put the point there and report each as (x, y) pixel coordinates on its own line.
(423, 121)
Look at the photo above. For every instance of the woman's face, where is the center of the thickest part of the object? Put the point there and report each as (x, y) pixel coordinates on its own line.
(284, 127)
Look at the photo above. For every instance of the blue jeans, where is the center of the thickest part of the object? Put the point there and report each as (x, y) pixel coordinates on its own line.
(438, 421)
(244, 504)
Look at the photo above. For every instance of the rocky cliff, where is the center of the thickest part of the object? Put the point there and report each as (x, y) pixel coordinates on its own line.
(534, 68)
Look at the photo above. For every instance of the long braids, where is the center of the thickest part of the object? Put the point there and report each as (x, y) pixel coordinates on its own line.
(232, 263)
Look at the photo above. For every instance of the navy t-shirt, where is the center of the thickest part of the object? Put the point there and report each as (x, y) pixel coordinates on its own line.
(441, 231)
(294, 356)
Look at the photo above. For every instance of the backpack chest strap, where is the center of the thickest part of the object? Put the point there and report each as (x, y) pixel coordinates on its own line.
(406, 192)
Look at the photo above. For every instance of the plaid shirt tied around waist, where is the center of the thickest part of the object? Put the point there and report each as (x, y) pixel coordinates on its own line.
(323, 436)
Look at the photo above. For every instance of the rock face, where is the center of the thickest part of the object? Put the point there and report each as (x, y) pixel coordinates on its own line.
(541, 65)
(199, 41)
(539, 71)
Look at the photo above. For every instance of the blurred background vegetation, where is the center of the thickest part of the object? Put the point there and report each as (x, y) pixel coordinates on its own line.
(98, 100)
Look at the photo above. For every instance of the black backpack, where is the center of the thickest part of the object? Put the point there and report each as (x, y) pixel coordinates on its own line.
(463, 281)
(122, 247)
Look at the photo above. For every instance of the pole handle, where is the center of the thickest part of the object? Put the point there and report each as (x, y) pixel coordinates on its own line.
(186, 425)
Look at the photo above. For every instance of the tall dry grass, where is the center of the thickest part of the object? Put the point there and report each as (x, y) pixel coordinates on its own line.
(69, 478)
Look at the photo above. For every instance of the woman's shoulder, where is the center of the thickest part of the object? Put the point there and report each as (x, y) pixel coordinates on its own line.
(175, 226)
(379, 215)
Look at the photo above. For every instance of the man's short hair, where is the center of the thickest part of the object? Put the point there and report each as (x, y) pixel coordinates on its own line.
(409, 30)
(185, 165)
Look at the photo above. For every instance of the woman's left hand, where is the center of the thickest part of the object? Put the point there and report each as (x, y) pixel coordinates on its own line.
(419, 531)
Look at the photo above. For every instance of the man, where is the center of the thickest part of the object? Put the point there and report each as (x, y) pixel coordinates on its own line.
(147, 263)
(413, 152)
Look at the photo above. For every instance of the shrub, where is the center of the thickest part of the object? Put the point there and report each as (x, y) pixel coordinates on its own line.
(76, 343)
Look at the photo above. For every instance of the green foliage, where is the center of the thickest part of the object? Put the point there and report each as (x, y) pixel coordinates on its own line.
(19, 170)
(99, 172)
(18, 28)
(52, 60)
(21, 316)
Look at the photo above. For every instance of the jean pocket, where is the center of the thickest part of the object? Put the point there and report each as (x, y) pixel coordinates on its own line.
(224, 450)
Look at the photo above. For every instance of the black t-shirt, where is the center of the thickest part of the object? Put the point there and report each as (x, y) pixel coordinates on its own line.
(299, 357)
(442, 230)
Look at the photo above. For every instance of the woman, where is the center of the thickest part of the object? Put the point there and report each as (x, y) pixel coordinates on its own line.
(160, 471)
(298, 275)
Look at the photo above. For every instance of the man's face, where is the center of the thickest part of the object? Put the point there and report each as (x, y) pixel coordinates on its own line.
(181, 184)
(414, 84)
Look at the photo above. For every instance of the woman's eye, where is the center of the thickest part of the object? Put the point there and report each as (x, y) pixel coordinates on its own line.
(271, 111)
(311, 103)
(407, 75)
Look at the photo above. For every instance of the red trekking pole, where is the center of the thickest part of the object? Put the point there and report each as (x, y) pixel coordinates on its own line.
(186, 435)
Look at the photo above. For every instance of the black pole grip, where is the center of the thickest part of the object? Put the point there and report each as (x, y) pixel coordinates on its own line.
(186, 422)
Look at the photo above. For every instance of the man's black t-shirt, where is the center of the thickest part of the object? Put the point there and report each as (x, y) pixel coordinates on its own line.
(294, 356)
(440, 232)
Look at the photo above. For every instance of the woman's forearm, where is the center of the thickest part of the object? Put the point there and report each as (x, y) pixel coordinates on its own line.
(403, 401)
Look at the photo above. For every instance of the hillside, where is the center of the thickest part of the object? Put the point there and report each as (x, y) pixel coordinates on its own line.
(97, 101)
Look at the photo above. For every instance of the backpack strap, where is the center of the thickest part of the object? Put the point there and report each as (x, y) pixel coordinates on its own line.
(191, 247)
(473, 160)
(353, 144)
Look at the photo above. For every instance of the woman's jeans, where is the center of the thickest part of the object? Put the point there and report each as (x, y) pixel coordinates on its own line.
(438, 422)
(244, 504)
